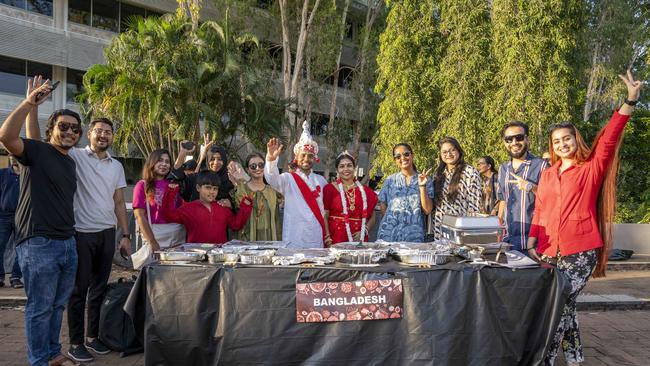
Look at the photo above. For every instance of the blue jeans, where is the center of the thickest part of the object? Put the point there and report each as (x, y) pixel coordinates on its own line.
(49, 267)
(7, 230)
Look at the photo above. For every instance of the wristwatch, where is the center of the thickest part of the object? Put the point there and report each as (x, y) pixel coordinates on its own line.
(128, 236)
(631, 102)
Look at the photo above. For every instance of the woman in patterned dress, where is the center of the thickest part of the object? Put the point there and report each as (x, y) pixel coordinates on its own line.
(349, 206)
(405, 198)
(458, 186)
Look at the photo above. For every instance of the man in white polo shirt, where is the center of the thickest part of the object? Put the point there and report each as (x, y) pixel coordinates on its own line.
(98, 208)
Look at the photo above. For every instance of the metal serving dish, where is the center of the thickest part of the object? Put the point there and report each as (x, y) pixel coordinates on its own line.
(361, 256)
(419, 256)
(179, 256)
(220, 255)
(477, 229)
(291, 256)
(257, 257)
(195, 247)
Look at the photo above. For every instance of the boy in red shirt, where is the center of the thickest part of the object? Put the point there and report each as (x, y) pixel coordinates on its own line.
(204, 219)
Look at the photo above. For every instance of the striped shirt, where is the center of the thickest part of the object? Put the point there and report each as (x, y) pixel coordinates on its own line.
(518, 213)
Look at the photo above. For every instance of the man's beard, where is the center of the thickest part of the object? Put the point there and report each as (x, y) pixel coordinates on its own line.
(518, 155)
(100, 148)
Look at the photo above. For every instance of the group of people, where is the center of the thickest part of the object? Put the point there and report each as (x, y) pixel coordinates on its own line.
(70, 207)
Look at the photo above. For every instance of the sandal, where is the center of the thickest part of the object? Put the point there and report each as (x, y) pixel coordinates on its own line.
(60, 360)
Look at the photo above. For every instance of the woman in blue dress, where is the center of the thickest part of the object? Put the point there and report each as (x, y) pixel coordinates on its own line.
(405, 200)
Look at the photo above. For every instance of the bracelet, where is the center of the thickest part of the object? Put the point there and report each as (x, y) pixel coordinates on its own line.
(422, 185)
(631, 103)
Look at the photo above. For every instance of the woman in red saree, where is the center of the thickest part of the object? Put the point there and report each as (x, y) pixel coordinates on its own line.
(349, 205)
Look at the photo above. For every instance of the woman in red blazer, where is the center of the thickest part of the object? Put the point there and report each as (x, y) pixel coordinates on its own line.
(574, 208)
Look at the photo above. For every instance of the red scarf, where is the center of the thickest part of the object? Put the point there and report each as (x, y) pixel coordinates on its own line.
(310, 198)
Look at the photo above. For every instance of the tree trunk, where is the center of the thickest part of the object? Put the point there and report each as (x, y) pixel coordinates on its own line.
(586, 113)
(330, 136)
(371, 16)
(291, 78)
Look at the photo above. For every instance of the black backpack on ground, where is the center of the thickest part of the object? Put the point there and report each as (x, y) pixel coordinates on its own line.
(116, 329)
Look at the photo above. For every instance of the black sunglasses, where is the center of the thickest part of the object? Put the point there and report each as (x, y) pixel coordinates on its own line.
(64, 126)
(519, 138)
(406, 154)
(255, 166)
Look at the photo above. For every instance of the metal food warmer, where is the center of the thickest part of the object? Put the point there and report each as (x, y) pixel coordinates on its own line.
(476, 229)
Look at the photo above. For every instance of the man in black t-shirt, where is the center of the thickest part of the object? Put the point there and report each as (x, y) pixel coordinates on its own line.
(45, 221)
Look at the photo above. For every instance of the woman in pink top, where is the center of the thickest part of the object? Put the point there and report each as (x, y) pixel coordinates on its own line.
(151, 189)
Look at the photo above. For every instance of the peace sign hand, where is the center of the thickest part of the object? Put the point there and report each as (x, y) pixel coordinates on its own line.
(273, 149)
(424, 177)
(521, 183)
(633, 86)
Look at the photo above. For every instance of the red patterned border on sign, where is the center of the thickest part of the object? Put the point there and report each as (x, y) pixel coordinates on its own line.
(346, 301)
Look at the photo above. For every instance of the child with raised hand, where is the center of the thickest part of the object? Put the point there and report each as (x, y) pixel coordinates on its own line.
(205, 220)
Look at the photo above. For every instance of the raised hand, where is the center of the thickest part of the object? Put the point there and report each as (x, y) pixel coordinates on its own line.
(273, 149)
(34, 83)
(38, 95)
(207, 144)
(633, 86)
(424, 177)
(236, 173)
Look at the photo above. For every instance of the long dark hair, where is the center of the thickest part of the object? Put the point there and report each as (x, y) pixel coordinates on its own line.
(148, 174)
(409, 148)
(439, 177)
(606, 206)
(488, 160)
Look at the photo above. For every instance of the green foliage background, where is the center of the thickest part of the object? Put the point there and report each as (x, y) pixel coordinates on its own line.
(463, 68)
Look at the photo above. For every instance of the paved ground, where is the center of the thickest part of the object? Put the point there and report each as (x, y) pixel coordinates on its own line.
(610, 338)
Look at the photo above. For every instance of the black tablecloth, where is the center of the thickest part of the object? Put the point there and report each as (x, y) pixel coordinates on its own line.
(453, 314)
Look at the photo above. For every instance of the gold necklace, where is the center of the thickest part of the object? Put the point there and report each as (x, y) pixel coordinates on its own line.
(349, 193)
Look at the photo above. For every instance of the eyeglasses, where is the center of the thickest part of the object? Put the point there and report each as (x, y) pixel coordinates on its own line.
(100, 132)
(64, 126)
(256, 166)
(519, 138)
(448, 152)
(405, 154)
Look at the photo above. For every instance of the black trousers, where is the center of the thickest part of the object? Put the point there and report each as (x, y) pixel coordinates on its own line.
(95, 252)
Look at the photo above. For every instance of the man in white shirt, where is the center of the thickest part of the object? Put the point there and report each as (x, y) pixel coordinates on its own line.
(303, 223)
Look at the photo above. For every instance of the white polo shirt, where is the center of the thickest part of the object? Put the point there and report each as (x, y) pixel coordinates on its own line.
(97, 181)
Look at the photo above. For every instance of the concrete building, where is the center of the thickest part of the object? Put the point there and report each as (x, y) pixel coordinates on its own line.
(60, 39)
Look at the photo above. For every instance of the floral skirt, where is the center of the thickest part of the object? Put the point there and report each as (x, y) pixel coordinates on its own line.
(577, 268)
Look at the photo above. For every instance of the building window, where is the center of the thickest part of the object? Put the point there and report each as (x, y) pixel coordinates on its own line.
(37, 68)
(37, 6)
(14, 73)
(105, 15)
(109, 15)
(74, 85)
(79, 11)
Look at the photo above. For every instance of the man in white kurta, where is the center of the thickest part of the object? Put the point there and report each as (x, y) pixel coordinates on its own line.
(300, 227)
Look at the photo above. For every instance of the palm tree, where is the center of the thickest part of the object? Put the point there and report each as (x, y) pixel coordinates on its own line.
(161, 78)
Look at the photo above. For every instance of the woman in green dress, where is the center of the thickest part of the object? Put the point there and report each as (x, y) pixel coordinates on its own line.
(264, 224)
